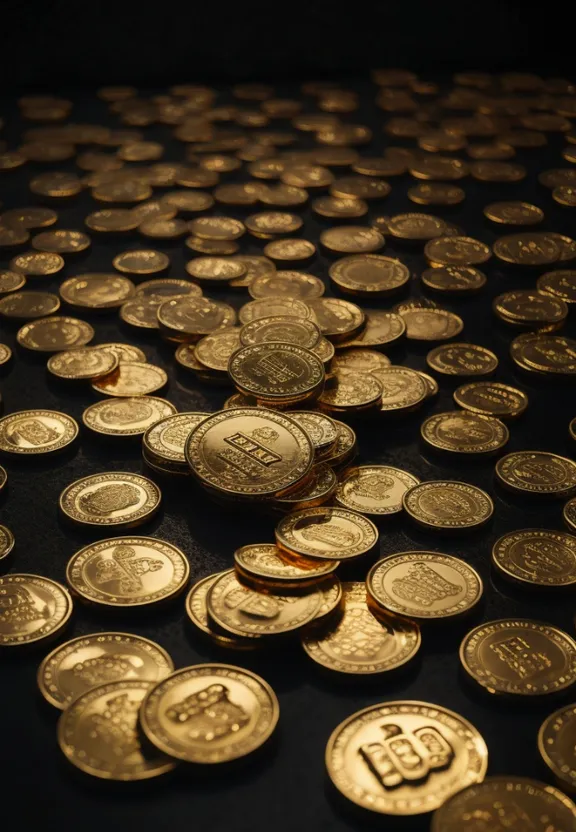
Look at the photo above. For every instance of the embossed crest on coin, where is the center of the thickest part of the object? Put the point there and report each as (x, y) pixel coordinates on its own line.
(462, 359)
(464, 432)
(326, 533)
(33, 608)
(491, 398)
(445, 505)
(537, 472)
(374, 489)
(82, 363)
(276, 371)
(111, 499)
(130, 416)
(31, 432)
(538, 557)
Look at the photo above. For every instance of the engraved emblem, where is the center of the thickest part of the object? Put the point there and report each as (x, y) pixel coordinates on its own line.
(446, 505)
(330, 534)
(255, 604)
(116, 726)
(123, 413)
(520, 658)
(403, 757)
(177, 435)
(274, 367)
(209, 714)
(423, 585)
(543, 555)
(106, 668)
(19, 606)
(126, 568)
(35, 432)
(540, 471)
(359, 636)
(109, 498)
(374, 486)
(247, 452)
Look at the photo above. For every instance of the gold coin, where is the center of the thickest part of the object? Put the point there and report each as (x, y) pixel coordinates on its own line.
(556, 746)
(82, 363)
(569, 514)
(215, 350)
(369, 274)
(557, 177)
(282, 196)
(456, 251)
(326, 533)
(320, 428)
(6, 536)
(112, 499)
(380, 329)
(217, 228)
(30, 217)
(256, 266)
(213, 247)
(84, 663)
(345, 448)
(560, 284)
(526, 307)
(464, 432)
(165, 439)
(237, 194)
(462, 359)
(250, 452)
(426, 586)
(239, 710)
(334, 207)
(566, 245)
(15, 235)
(158, 228)
(360, 187)
(386, 642)
(37, 263)
(537, 472)
(112, 220)
(403, 389)
(292, 250)
(436, 193)
(491, 398)
(11, 281)
(307, 176)
(11, 159)
(496, 152)
(34, 608)
(444, 505)
(379, 166)
(124, 352)
(527, 249)
(168, 287)
(427, 324)
(266, 563)
(278, 328)
(58, 185)
(215, 270)
(538, 557)
(431, 383)
(29, 305)
(493, 171)
(514, 213)
(122, 191)
(275, 372)
(522, 801)
(352, 239)
(416, 227)
(565, 195)
(455, 280)
(143, 211)
(286, 284)
(448, 752)
(141, 312)
(141, 261)
(315, 492)
(61, 241)
(519, 657)
(3, 477)
(375, 490)
(443, 168)
(132, 378)
(553, 354)
(126, 416)
(84, 733)
(349, 393)
(189, 318)
(270, 224)
(96, 291)
(339, 320)
(31, 432)
(359, 360)
(285, 307)
(242, 611)
(197, 612)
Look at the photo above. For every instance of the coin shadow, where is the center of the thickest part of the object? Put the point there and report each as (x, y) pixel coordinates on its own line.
(358, 817)
(537, 706)
(45, 462)
(351, 686)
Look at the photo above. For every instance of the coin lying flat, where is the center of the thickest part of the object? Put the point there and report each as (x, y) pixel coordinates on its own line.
(96, 291)
(454, 280)
(514, 213)
(3, 477)
(11, 281)
(285, 284)
(31, 432)
(27, 306)
(111, 499)
(425, 586)
(215, 270)
(215, 350)
(54, 334)
(403, 389)
(462, 359)
(374, 489)
(304, 333)
(165, 440)
(446, 505)
(189, 318)
(98, 733)
(130, 416)
(274, 306)
(128, 571)
(210, 713)
(404, 758)
(99, 659)
(492, 398)
(268, 564)
(551, 354)
(529, 308)
(197, 612)
(560, 283)
(250, 452)
(5, 354)
(141, 261)
(464, 432)
(362, 643)
(380, 329)
(62, 241)
(556, 745)
(37, 263)
(132, 378)
(82, 363)
(320, 428)
(538, 557)
(431, 324)
(518, 801)
(276, 372)
(358, 360)
(456, 251)
(369, 274)
(34, 608)
(519, 657)
(338, 319)
(349, 393)
(326, 533)
(124, 352)
(527, 249)
(537, 472)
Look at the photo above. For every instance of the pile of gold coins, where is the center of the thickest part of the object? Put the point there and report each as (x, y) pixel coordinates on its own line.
(304, 377)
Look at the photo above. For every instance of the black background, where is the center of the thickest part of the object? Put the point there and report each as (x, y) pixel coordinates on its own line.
(60, 46)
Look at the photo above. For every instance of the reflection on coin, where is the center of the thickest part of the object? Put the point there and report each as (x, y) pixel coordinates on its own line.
(560, 283)
(31, 432)
(457, 251)
(210, 713)
(141, 261)
(188, 318)
(141, 312)
(6, 536)
(267, 563)
(96, 291)
(215, 270)
(537, 472)
(527, 249)
(27, 306)
(34, 608)
(304, 333)
(462, 360)
(519, 657)
(286, 284)
(448, 751)
(276, 372)
(447, 505)
(538, 353)
(339, 320)
(320, 428)
(111, 499)
(349, 393)
(98, 733)
(124, 352)
(431, 324)
(455, 280)
(215, 350)
(436, 193)
(464, 432)
(514, 213)
(326, 533)
(126, 416)
(491, 398)
(162, 288)
(374, 489)
(102, 658)
(286, 307)
(556, 745)
(369, 274)
(54, 334)
(416, 227)
(132, 378)
(290, 250)
(11, 281)
(82, 363)
(538, 557)
(62, 241)
(37, 263)
(197, 612)
(529, 308)
(361, 643)
(403, 389)
(359, 360)
(352, 239)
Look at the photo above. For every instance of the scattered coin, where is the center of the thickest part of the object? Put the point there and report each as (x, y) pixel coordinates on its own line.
(456, 251)
(113, 220)
(278, 328)
(111, 499)
(551, 354)
(465, 432)
(359, 360)
(436, 193)
(352, 239)
(126, 416)
(569, 514)
(27, 306)
(82, 363)
(424, 324)
(277, 372)
(532, 309)
(514, 213)
(292, 250)
(339, 320)
(34, 608)
(537, 557)
(527, 249)
(446, 505)
(369, 274)
(557, 748)
(54, 333)
(96, 291)
(537, 472)
(348, 393)
(162, 288)
(11, 281)
(286, 284)
(189, 318)
(61, 241)
(375, 490)
(560, 284)
(37, 263)
(31, 432)
(197, 612)
(215, 270)
(326, 533)
(462, 360)
(6, 539)
(454, 280)
(491, 398)
(132, 378)
(268, 307)
(141, 261)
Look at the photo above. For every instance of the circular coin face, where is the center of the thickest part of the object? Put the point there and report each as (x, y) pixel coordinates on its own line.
(290, 250)
(131, 416)
(270, 307)
(267, 563)
(491, 398)
(304, 333)
(210, 713)
(352, 239)
(556, 745)
(369, 274)
(380, 329)
(519, 657)
(525, 802)
(276, 371)
(166, 439)
(189, 318)
(34, 608)
(339, 320)
(96, 291)
(361, 643)
(54, 334)
(538, 557)
(530, 308)
(141, 261)
(132, 378)
(446, 505)
(527, 249)
(448, 752)
(402, 389)
(37, 263)
(124, 352)
(454, 280)
(431, 324)
(457, 251)
(349, 393)
(29, 305)
(325, 532)
(514, 213)
(215, 350)
(128, 571)
(82, 363)
(215, 269)
(61, 241)
(560, 284)
(537, 472)
(6, 540)
(415, 227)
(374, 489)
(426, 586)
(359, 361)
(462, 360)
(250, 452)
(86, 728)
(162, 288)
(197, 612)
(552, 354)
(285, 284)
(569, 514)
(113, 499)
(31, 432)
(11, 281)
(464, 432)
(99, 659)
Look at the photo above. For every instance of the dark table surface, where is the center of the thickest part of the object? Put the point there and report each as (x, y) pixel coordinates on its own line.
(286, 787)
